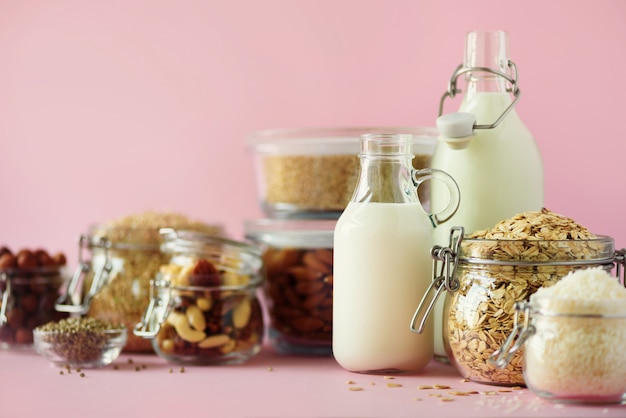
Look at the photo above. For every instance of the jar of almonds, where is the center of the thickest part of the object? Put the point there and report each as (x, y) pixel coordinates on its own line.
(487, 272)
(204, 307)
(298, 256)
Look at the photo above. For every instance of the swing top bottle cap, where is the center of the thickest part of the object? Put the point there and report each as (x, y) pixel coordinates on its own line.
(456, 129)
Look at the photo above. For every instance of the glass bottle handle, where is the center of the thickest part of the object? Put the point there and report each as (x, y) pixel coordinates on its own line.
(420, 176)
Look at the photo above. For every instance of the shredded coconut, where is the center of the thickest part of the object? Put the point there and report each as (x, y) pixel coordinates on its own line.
(588, 284)
(573, 356)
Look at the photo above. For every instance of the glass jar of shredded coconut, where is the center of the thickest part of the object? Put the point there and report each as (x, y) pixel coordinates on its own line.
(573, 335)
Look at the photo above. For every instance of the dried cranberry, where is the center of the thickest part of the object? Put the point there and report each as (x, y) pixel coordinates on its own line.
(204, 274)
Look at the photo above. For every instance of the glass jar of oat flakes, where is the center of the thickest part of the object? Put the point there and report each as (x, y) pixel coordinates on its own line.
(117, 261)
(204, 307)
(488, 272)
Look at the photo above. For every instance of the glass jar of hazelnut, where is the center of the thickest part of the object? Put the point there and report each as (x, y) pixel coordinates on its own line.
(30, 281)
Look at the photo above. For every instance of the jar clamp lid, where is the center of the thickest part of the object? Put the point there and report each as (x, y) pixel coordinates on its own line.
(522, 330)
(157, 310)
(291, 233)
(226, 254)
(71, 301)
(443, 277)
(446, 260)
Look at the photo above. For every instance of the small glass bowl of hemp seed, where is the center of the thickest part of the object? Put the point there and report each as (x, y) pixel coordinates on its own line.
(80, 342)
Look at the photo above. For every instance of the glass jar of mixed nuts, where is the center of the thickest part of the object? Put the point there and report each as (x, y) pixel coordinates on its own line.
(204, 307)
(118, 259)
(488, 272)
(30, 282)
(298, 287)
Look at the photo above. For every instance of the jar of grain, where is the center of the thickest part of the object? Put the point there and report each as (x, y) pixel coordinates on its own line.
(117, 260)
(312, 172)
(573, 335)
(298, 285)
(204, 307)
(486, 273)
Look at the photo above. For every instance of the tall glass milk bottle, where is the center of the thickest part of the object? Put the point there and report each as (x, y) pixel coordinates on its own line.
(382, 264)
(485, 147)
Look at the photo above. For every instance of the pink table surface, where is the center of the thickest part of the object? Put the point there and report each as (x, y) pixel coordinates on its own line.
(269, 385)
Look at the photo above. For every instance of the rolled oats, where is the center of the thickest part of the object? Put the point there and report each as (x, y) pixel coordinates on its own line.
(501, 266)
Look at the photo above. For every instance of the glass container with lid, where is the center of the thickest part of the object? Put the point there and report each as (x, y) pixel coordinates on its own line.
(30, 283)
(298, 288)
(312, 172)
(204, 307)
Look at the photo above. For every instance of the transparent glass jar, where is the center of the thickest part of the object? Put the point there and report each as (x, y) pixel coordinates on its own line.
(573, 350)
(116, 264)
(27, 298)
(112, 282)
(485, 279)
(204, 306)
(298, 288)
(312, 172)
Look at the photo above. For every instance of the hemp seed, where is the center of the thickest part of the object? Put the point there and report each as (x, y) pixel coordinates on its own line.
(77, 340)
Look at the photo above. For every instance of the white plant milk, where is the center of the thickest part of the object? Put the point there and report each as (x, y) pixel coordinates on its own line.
(499, 174)
(382, 268)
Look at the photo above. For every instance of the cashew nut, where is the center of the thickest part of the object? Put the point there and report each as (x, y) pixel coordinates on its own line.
(184, 330)
(167, 346)
(173, 318)
(183, 276)
(214, 341)
(241, 313)
(228, 347)
(230, 279)
(204, 303)
(195, 317)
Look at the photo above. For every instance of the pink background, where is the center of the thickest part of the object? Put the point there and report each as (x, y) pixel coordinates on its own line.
(109, 108)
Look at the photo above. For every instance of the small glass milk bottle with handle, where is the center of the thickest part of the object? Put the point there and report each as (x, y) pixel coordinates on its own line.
(485, 146)
(382, 263)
